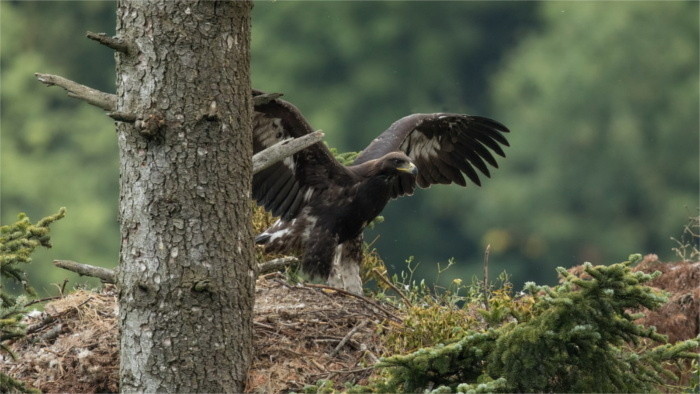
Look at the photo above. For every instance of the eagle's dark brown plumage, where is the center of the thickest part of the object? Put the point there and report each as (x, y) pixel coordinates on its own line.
(324, 206)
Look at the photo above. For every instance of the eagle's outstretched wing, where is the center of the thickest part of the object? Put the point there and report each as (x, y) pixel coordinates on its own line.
(443, 147)
(285, 187)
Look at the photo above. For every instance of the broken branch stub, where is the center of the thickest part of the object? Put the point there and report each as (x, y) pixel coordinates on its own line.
(106, 101)
(115, 43)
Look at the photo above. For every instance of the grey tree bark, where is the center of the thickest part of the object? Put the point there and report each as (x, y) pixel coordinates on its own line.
(186, 271)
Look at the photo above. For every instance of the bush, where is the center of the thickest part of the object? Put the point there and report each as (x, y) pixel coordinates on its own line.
(578, 338)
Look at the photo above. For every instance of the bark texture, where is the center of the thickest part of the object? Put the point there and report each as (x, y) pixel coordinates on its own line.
(186, 263)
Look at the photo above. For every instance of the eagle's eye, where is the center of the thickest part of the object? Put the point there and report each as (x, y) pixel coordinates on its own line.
(397, 161)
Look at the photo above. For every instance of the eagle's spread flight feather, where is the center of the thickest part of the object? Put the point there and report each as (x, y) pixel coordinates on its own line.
(324, 206)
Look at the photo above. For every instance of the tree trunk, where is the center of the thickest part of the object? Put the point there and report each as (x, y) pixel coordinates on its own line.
(186, 262)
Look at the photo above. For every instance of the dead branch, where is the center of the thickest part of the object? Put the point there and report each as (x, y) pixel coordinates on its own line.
(280, 150)
(105, 274)
(360, 297)
(115, 43)
(109, 276)
(108, 102)
(373, 359)
(276, 264)
(347, 337)
(391, 285)
(43, 300)
(52, 318)
(99, 99)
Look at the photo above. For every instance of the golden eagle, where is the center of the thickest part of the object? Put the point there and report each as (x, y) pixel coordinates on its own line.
(323, 206)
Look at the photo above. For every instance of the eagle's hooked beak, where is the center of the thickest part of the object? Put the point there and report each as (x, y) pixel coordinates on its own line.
(410, 168)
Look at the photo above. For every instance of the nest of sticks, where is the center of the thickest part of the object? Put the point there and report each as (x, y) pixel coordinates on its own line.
(73, 346)
(302, 333)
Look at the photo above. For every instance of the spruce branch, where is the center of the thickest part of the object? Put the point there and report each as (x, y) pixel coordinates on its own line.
(115, 43)
(106, 101)
(17, 242)
(280, 150)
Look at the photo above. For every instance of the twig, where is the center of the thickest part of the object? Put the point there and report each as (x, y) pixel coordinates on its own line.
(51, 318)
(388, 283)
(273, 274)
(43, 323)
(353, 370)
(105, 274)
(317, 365)
(111, 42)
(283, 283)
(256, 323)
(52, 333)
(347, 337)
(280, 150)
(372, 357)
(340, 372)
(363, 298)
(63, 287)
(44, 300)
(106, 101)
(276, 264)
(487, 293)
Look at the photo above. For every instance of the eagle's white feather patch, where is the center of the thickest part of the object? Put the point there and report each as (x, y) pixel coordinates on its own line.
(338, 256)
(309, 225)
(426, 147)
(289, 162)
(308, 194)
(345, 274)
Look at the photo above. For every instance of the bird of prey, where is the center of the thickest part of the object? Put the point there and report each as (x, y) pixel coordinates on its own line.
(323, 206)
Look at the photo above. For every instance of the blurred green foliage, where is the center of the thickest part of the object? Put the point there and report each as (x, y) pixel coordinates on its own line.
(55, 148)
(602, 100)
(604, 103)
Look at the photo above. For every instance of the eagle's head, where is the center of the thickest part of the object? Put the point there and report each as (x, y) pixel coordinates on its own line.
(396, 163)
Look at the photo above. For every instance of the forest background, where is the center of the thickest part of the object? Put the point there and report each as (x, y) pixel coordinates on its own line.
(602, 99)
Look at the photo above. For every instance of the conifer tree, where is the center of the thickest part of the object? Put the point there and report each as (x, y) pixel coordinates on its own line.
(579, 337)
(183, 110)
